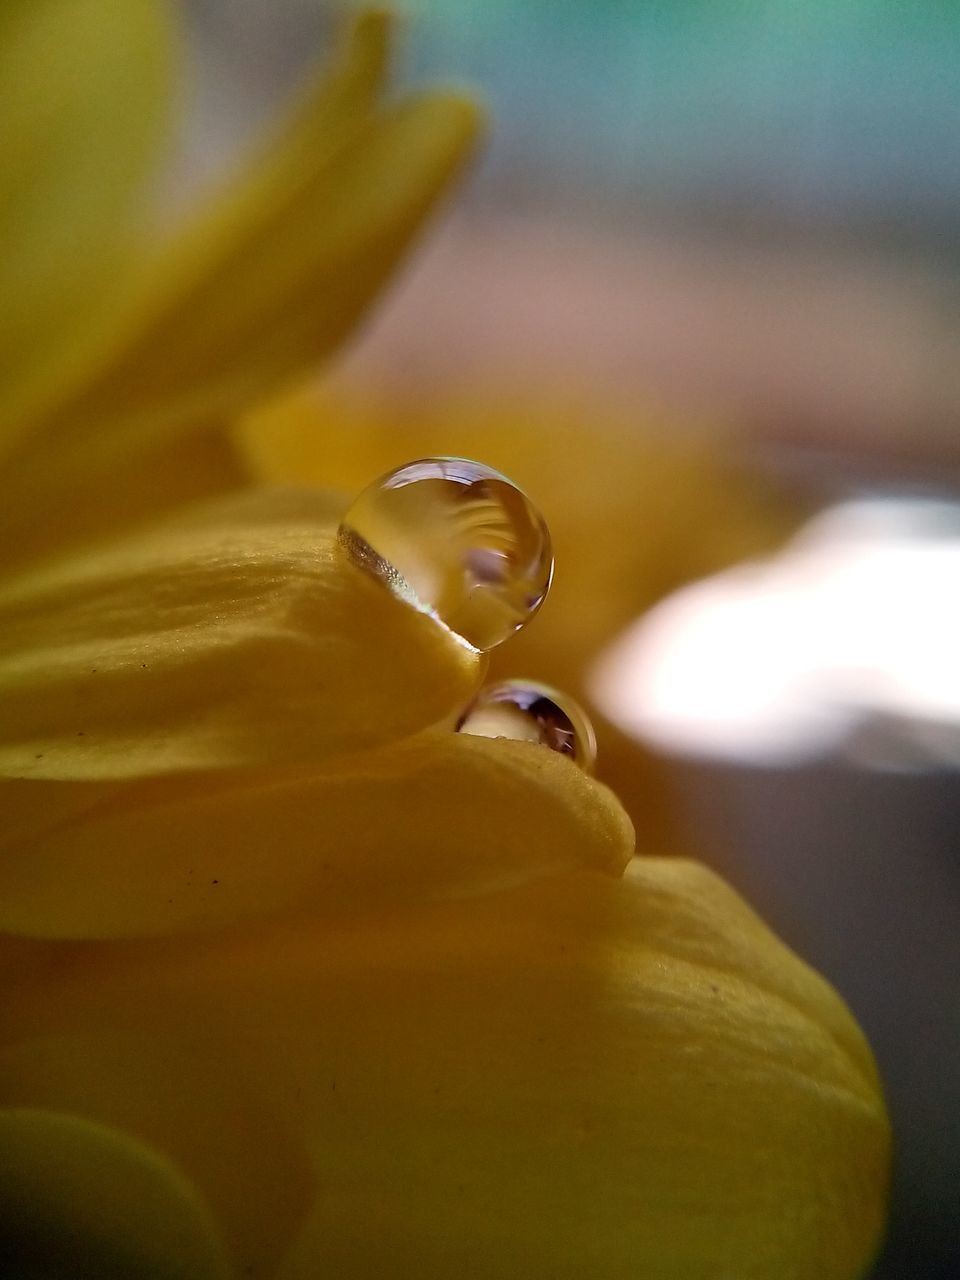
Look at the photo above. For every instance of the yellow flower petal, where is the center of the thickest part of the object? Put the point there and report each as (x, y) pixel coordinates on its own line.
(78, 1199)
(83, 104)
(581, 1077)
(38, 519)
(238, 636)
(191, 853)
(191, 1102)
(278, 272)
(598, 1079)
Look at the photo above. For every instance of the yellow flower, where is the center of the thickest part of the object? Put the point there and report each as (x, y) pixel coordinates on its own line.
(294, 981)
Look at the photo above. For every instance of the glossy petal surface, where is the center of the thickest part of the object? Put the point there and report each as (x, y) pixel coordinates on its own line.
(233, 636)
(437, 816)
(581, 1077)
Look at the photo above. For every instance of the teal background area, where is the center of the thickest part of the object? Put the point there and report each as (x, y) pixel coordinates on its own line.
(846, 113)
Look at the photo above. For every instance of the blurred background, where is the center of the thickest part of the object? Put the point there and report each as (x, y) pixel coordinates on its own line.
(701, 298)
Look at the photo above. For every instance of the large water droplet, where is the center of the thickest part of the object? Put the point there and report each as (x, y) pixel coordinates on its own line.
(457, 540)
(531, 712)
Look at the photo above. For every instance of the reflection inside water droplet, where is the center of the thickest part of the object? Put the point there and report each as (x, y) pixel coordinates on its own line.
(457, 540)
(529, 712)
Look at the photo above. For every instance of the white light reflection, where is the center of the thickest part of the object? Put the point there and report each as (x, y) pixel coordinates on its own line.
(850, 637)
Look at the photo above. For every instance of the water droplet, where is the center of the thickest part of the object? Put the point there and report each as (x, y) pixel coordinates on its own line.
(531, 712)
(456, 540)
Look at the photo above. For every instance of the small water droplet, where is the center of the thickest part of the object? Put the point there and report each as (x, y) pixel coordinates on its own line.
(531, 712)
(456, 540)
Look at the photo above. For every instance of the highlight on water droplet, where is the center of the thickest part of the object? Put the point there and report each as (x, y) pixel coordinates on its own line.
(530, 712)
(456, 540)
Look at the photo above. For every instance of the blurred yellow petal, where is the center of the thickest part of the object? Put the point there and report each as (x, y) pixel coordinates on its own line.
(83, 105)
(39, 519)
(582, 1077)
(240, 635)
(190, 1097)
(79, 1199)
(275, 275)
(295, 281)
(187, 853)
